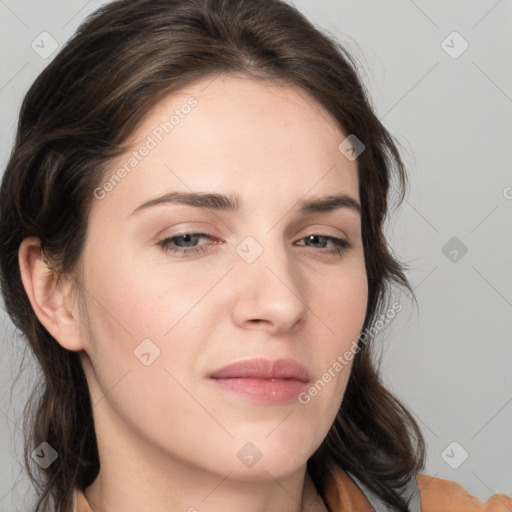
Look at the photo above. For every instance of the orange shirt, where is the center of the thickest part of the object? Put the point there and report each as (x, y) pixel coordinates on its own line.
(436, 494)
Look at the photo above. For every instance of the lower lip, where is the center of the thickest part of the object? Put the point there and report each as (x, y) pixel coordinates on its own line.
(265, 391)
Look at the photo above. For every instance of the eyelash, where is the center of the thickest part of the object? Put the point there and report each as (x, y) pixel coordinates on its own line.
(341, 244)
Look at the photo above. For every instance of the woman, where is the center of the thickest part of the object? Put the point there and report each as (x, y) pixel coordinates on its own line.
(192, 245)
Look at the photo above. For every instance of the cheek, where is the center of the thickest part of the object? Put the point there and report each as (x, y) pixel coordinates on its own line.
(138, 313)
(138, 298)
(342, 301)
(338, 304)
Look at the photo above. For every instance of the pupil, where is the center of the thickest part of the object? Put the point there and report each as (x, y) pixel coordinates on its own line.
(320, 240)
(185, 239)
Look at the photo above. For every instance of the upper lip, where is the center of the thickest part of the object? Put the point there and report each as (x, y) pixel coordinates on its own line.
(259, 368)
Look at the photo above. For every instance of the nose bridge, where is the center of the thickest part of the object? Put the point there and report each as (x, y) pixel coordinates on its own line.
(269, 286)
(267, 257)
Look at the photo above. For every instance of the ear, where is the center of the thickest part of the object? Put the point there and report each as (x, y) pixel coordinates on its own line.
(49, 295)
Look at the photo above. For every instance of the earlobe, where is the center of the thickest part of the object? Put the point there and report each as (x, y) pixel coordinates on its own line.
(49, 295)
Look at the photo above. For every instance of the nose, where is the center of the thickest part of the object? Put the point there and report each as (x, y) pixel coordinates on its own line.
(270, 292)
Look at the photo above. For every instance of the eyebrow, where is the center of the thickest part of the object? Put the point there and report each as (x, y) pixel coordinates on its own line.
(230, 203)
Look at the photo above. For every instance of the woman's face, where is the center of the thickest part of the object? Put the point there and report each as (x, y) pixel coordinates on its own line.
(204, 253)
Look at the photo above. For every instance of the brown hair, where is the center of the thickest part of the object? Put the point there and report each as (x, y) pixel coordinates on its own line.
(74, 121)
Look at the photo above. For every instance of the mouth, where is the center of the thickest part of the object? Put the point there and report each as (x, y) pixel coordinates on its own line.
(264, 381)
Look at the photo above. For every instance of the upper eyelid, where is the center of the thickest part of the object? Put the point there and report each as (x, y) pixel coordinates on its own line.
(211, 236)
(316, 230)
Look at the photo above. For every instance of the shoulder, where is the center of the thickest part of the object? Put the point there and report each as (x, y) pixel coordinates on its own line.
(435, 495)
(439, 495)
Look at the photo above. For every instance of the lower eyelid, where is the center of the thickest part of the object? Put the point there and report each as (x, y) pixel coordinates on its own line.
(167, 242)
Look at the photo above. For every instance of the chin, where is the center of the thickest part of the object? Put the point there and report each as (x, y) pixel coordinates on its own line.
(278, 458)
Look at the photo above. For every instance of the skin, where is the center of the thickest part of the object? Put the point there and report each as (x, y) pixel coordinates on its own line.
(168, 437)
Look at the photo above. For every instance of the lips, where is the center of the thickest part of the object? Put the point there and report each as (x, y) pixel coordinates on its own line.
(264, 369)
(263, 381)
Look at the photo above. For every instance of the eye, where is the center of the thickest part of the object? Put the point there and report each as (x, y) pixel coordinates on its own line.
(337, 245)
(189, 243)
(186, 243)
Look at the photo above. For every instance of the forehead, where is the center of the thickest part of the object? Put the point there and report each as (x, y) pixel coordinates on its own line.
(230, 134)
(236, 93)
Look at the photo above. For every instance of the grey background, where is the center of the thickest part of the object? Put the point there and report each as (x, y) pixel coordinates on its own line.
(450, 359)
